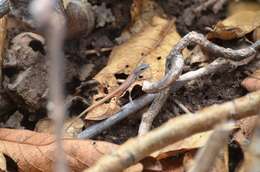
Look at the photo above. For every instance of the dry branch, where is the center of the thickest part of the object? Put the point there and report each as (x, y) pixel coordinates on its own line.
(54, 27)
(176, 59)
(3, 32)
(153, 111)
(181, 127)
(207, 155)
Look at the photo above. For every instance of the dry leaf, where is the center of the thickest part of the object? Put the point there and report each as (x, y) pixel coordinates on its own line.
(245, 130)
(142, 13)
(46, 125)
(235, 6)
(194, 142)
(34, 151)
(252, 82)
(150, 46)
(236, 26)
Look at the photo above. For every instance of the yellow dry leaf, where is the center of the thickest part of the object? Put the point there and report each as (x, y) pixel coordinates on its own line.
(193, 142)
(142, 13)
(150, 46)
(235, 6)
(236, 26)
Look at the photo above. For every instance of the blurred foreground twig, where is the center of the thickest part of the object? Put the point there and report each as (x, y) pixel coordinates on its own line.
(172, 131)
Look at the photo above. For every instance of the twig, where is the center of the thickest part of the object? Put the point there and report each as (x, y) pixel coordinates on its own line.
(54, 25)
(152, 112)
(3, 32)
(4, 7)
(176, 129)
(207, 155)
(186, 110)
(176, 58)
(130, 108)
(252, 157)
(97, 52)
(148, 117)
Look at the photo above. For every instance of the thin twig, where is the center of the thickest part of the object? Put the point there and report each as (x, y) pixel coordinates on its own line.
(3, 32)
(129, 108)
(176, 59)
(216, 65)
(252, 156)
(186, 110)
(176, 129)
(207, 155)
(4, 7)
(54, 25)
(153, 111)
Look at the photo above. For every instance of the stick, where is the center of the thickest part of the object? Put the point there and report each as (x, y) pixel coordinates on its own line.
(129, 108)
(207, 155)
(54, 26)
(176, 59)
(176, 129)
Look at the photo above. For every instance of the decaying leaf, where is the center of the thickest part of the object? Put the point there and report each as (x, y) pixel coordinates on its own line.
(236, 26)
(252, 82)
(245, 130)
(142, 13)
(235, 6)
(34, 151)
(46, 125)
(150, 46)
(194, 142)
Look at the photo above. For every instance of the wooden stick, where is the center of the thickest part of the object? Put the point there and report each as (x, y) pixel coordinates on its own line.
(172, 131)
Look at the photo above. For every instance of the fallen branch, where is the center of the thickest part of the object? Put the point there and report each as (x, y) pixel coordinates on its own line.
(207, 155)
(153, 111)
(172, 131)
(175, 58)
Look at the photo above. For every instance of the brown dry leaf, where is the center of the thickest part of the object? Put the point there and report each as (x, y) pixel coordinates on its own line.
(46, 125)
(142, 13)
(245, 130)
(235, 6)
(236, 25)
(150, 46)
(34, 151)
(252, 82)
(194, 142)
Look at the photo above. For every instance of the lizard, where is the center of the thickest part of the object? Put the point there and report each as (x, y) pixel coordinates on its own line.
(117, 92)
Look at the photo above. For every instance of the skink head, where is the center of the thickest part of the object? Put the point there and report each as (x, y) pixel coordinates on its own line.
(140, 69)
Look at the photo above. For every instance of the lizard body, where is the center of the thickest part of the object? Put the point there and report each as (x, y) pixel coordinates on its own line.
(117, 92)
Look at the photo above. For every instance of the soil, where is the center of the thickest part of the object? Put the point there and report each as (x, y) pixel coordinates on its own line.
(197, 94)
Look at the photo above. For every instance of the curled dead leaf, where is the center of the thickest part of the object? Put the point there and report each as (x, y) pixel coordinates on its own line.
(34, 151)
